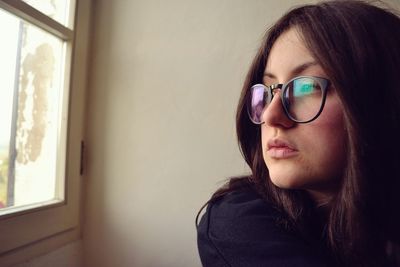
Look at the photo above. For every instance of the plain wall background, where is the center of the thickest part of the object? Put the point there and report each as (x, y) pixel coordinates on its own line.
(165, 81)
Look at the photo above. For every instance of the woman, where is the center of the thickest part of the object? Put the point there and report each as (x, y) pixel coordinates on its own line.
(323, 150)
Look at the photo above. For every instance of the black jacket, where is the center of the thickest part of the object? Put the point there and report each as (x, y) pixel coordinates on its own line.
(241, 229)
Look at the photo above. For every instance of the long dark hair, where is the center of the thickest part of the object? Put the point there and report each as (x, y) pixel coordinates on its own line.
(358, 46)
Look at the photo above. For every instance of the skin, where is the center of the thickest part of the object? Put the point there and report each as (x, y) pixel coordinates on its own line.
(312, 155)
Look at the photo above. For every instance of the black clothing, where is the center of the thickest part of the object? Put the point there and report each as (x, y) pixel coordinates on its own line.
(240, 229)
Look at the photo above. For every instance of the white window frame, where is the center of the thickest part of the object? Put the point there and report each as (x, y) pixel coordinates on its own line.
(29, 233)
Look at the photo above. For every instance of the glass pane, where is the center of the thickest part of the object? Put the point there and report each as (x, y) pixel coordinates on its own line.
(59, 10)
(31, 104)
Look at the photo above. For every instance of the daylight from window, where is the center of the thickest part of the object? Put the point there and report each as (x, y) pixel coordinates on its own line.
(32, 100)
(56, 9)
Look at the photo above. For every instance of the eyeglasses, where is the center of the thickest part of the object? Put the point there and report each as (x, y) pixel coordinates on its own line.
(303, 98)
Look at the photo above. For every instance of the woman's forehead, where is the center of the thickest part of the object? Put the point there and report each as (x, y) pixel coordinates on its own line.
(289, 56)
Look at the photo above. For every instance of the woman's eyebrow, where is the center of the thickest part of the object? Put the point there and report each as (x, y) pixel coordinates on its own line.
(297, 70)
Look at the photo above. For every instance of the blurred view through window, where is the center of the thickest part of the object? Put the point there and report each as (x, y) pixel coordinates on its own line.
(33, 109)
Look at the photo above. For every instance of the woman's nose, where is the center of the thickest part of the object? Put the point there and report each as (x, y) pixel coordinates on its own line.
(275, 116)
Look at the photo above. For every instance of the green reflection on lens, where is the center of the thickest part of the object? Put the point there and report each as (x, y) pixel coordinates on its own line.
(302, 88)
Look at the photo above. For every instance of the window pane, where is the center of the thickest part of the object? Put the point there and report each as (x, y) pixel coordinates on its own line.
(31, 114)
(59, 10)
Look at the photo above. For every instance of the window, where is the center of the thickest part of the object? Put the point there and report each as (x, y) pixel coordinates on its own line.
(32, 99)
(43, 78)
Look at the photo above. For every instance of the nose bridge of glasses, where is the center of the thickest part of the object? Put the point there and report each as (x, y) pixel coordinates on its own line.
(274, 88)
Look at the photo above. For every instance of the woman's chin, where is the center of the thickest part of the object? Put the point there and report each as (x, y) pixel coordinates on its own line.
(287, 182)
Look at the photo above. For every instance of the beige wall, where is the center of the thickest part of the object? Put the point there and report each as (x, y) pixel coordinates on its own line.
(166, 76)
(165, 80)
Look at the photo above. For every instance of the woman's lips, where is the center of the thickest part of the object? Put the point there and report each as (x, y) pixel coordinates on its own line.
(281, 149)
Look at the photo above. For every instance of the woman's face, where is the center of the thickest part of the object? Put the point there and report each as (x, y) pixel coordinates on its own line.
(310, 155)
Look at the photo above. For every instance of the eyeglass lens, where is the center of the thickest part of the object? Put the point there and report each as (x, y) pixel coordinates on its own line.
(302, 99)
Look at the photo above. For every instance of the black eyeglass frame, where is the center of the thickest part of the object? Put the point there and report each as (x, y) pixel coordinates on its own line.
(323, 82)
